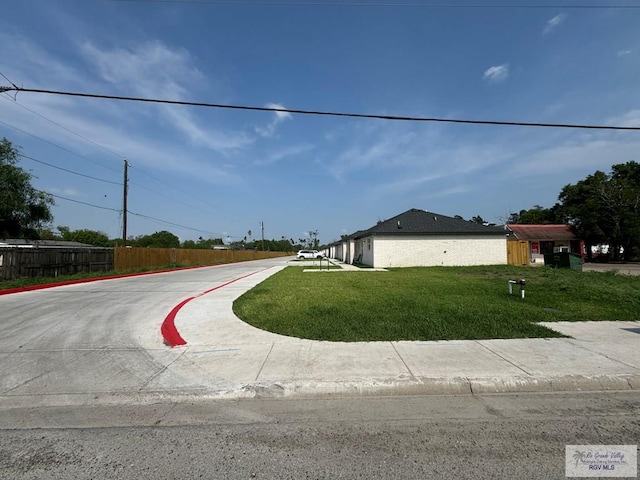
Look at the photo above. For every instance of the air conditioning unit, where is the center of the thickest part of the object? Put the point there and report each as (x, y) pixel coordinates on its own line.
(560, 249)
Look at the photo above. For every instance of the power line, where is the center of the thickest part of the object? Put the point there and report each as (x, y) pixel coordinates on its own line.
(69, 171)
(57, 146)
(168, 185)
(386, 5)
(178, 225)
(68, 130)
(136, 214)
(322, 113)
(164, 196)
(7, 79)
(98, 163)
(78, 201)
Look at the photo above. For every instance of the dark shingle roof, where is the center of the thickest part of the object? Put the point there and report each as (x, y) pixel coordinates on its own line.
(416, 222)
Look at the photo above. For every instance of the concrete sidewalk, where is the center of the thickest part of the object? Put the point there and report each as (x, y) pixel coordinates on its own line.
(228, 358)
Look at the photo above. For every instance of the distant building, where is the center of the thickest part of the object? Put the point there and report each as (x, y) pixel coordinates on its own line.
(529, 243)
(420, 238)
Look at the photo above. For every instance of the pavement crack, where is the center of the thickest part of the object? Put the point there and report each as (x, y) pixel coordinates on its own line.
(413, 377)
(580, 345)
(165, 414)
(40, 375)
(504, 358)
(162, 370)
(264, 362)
(470, 383)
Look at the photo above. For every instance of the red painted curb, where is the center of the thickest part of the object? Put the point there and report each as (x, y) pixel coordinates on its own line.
(168, 329)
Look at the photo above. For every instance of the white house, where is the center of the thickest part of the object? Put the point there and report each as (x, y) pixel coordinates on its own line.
(417, 238)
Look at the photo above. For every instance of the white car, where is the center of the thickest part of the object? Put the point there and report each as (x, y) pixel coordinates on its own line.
(302, 254)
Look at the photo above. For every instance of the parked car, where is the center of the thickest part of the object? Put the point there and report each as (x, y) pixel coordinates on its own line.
(302, 254)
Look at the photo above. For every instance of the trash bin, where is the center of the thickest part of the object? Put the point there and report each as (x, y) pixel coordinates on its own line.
(551, 259)
(563, 260)
(575, 261)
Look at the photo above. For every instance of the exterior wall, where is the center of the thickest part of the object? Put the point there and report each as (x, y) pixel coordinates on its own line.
(358, 251)
(368, 256)
(427, 251)
(350, 251)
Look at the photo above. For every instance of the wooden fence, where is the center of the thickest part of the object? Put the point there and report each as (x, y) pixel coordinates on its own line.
(51, 262)
(518, 252)
(132, 258)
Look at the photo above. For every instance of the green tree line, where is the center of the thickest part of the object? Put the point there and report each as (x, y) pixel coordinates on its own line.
(603, 208)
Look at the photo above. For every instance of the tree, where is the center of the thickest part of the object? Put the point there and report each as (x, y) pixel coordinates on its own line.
(536, 216)
(478, 219)
(312, 241)
(23, 209)
(605, 208)
(161, 239)
(202, 244)
(90, 237)
(626, 180)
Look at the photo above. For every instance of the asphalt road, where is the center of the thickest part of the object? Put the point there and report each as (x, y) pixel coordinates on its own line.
(99, 342)
(511, 436)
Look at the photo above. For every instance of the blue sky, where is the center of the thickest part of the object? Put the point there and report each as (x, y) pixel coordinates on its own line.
(222, 172)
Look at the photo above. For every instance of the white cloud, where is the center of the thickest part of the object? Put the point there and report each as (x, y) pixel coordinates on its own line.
(624, 52)
(628, 119)
(26, 60)
(270, 129)
(497, 73)
(151, 69)
(581, 154)
(66, 192)
(373, 146)
(140, 148)
(554, 23)
(154, 70)
(282, 153)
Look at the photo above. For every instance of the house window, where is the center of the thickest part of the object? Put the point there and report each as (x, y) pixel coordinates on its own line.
(546, 247)
(369, 244)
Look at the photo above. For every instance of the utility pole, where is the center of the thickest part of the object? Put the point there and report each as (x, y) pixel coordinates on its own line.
(124, 203)
(262, 228)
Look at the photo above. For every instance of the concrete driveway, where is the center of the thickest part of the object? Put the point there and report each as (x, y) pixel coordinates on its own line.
(100, 343)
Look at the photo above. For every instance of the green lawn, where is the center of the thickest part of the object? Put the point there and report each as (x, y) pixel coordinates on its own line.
(438, 303)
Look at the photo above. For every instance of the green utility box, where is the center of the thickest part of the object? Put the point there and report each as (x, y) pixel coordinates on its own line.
(563, 260)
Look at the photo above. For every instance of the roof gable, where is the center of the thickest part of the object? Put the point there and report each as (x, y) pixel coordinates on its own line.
(415, 222)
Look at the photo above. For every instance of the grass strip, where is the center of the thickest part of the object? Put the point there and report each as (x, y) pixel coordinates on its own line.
(435, 303)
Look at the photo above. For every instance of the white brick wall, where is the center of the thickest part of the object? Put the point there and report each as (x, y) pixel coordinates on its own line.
(428, 251)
